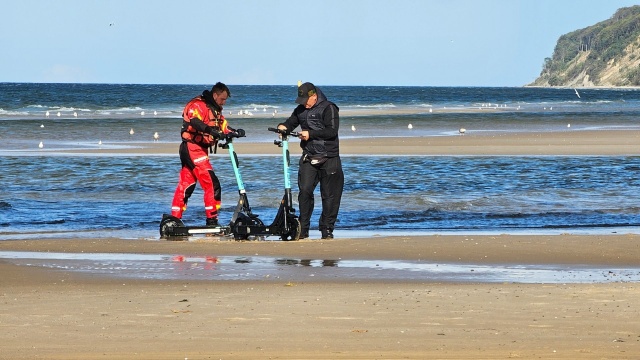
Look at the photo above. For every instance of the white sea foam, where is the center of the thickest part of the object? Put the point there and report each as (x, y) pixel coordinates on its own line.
(258, 106)
(374, 106)
(13, 113)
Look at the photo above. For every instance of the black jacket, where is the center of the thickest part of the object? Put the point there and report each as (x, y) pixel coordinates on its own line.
(322, 121)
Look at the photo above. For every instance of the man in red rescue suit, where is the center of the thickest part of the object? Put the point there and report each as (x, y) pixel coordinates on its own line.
(203, 124)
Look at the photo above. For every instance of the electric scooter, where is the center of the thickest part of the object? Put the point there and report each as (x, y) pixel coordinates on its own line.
(244, 223)
(173, 227)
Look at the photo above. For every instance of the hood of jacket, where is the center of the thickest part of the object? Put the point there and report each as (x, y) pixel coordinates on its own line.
(207, 96)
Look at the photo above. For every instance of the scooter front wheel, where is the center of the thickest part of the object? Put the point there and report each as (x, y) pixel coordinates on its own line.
(168, 224)
(295, 230)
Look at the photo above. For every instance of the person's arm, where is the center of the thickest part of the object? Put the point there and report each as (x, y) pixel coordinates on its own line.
(291, 123)
(193, 112)
(198, 125)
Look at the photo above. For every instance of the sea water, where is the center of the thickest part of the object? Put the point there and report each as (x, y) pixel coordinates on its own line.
(45, 194)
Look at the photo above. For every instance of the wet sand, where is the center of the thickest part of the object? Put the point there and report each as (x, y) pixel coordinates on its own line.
(60, 314)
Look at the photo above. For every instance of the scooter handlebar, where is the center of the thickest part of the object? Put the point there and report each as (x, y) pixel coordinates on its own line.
(226, 139)
(284, 132)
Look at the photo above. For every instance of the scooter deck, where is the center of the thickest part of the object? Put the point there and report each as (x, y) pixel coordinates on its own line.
(171, 226)
(257, 230)
(196, 230)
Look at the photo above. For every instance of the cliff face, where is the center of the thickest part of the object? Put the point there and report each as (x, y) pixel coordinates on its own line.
(605, 54)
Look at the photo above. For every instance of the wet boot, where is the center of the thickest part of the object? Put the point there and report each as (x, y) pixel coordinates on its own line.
(212, 222)
(327, 233)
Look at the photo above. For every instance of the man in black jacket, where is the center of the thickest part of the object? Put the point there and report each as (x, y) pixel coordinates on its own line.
(320, 162)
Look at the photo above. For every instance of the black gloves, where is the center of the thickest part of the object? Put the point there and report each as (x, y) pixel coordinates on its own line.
(235, 133)
(220, 135)
(214, 132)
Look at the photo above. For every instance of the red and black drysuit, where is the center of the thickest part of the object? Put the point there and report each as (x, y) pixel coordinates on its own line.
(203, 124)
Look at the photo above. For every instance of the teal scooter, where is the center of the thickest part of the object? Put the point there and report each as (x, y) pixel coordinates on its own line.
(172, 227)
(244, 223)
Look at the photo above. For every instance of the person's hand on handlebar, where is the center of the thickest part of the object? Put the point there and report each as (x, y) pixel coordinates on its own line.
(282, 128)
(303, 135)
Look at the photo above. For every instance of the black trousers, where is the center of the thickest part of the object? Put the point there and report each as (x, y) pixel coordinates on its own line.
(331, 178)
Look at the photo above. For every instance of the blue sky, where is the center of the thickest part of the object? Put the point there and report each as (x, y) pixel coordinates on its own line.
(272, 42)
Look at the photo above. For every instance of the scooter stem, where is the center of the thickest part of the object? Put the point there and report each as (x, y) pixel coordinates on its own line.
(286, 162)
(236, 171)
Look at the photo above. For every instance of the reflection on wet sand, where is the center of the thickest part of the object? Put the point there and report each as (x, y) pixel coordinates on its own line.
(167, 267)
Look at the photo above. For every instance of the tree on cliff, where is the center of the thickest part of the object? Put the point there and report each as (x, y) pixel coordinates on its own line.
(604, 54)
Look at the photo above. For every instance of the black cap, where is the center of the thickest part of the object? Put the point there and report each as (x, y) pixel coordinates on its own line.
(304, 92)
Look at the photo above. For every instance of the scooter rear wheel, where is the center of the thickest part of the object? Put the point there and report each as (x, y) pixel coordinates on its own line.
(294, 234)
(236, 235)
(240, 237)
(244, 220)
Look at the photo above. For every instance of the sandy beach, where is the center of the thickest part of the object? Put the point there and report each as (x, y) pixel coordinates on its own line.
(62, 314)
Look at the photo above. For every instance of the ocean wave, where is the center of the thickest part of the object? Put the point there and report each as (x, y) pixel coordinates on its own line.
(257, 106)
(54, 108)
(55, 112)
(13, 113)
(373, 106)
(125, 109)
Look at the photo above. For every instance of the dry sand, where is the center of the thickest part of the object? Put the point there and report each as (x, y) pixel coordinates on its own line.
(56, 314)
